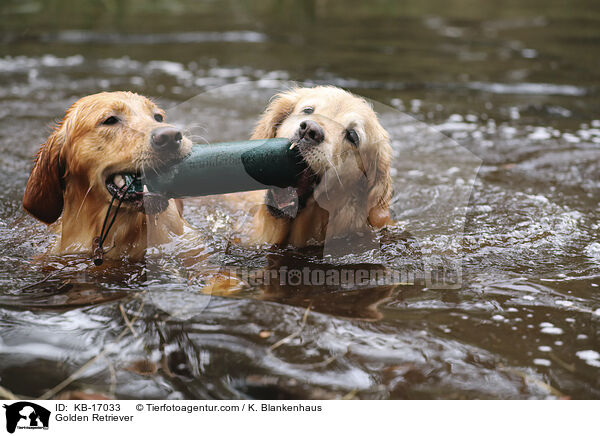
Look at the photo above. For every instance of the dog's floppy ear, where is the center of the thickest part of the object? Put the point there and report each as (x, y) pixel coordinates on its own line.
(44, 191)
(380, 187)
(280, 107)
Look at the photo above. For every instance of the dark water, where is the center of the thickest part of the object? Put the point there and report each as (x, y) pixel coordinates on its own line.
(494, 111)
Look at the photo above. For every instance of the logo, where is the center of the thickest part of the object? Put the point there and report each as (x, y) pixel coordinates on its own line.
(26, 415)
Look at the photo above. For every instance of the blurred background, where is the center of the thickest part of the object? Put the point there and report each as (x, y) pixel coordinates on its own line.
(509, 59)
(515, 82)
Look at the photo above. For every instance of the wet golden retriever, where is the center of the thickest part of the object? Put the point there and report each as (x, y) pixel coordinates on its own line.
(104, 142)
(346, 187)
(107, 139)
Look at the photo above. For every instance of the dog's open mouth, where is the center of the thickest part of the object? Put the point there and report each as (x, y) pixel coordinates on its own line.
(287, 202)
(127, 187)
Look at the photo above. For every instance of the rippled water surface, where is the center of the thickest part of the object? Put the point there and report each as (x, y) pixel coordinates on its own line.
(494, 115)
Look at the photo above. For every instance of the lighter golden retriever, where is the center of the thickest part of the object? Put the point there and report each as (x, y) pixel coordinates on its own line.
(104, 142)
(346, 187)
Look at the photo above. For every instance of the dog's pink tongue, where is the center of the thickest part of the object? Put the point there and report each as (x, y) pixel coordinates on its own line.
(283, 197)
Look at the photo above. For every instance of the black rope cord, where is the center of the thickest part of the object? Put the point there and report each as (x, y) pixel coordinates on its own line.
(97, 250)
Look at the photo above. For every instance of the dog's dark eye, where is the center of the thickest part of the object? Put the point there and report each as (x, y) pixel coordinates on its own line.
(110, 121)
(308, 110)
(352, 136)
(158, 117)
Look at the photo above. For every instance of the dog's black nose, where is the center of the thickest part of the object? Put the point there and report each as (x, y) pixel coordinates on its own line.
(166, 139)
(311, 132)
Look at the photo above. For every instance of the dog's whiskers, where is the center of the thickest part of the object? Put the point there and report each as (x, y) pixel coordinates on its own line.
(195, 137)
(189, 128)
(83, 201)
(335, 170)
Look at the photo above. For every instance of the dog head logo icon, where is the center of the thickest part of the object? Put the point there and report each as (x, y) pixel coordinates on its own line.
(26, 415)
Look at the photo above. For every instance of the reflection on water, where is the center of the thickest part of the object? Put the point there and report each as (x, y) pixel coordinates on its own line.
(517, 86)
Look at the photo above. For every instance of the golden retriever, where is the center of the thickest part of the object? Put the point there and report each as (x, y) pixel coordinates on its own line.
(104, 142)
(346, 187)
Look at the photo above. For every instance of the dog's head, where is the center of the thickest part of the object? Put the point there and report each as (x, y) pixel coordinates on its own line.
(104, 142)
(346, 150)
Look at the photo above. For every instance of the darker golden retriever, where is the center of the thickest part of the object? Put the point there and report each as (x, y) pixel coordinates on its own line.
(104, 142)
